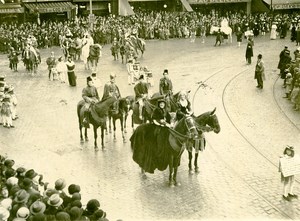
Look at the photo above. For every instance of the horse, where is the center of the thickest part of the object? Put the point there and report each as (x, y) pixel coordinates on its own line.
(124, 106)
(31, 60)
(208, 121)
(94, 55)
(137, 44)
(98, 115)
(226, 31)
(155, 147)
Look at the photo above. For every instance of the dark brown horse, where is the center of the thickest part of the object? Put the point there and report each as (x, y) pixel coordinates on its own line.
(123, 107)
(206, 122)
(97, 115)
(155, 147)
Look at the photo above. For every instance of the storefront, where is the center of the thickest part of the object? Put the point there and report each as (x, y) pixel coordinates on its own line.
(58, 10)
(99, 7)
(11, 12)
(221, 6)
(276, 5)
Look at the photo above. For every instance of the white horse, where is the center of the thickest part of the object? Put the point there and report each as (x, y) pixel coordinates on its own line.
(87, 41)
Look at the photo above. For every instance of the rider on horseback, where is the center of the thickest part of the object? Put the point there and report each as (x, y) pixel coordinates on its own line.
(90, 96)
(141, 93)
(161, 116)
(184, 106)
(111, 89)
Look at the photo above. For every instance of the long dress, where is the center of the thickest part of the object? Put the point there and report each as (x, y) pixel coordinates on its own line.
(273, 32)
(71, 73)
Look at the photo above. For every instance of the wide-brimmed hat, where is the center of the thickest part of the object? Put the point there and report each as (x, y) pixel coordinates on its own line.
(55, 200)
(10, 172)
(49, 192)
(30, 174)
(9, 163)
(21, 196)
(11, 181)
(4, 214)
(23, 212)
(75, 213)
(63, 216)
(37, 207)
(60, 184)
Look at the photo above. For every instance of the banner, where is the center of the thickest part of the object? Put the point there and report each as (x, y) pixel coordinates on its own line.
(290, 166)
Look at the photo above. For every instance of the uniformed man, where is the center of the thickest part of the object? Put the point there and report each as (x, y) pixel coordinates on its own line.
(165, 84)
(90, 96)
(141, 93)
(111, 88)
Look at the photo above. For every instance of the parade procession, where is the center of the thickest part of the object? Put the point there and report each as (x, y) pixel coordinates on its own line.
(149, 110)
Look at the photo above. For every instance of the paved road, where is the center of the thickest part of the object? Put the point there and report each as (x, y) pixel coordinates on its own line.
(239, 176)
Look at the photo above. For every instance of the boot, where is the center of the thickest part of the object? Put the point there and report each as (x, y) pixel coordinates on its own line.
(86, 120)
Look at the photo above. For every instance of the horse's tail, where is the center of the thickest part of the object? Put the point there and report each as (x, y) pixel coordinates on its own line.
(79, 107)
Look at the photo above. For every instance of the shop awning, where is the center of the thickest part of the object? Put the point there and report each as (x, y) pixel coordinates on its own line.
(186, 5)
(216, 1)
(11, 8)
(259, 6)
(50, 7)
(125, 8)
(283, 4)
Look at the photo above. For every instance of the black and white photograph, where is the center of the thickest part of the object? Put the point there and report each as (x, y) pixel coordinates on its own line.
(127, 110)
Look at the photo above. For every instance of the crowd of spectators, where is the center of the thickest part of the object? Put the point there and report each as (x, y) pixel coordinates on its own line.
(25, 196)
(289, 66)
(147, 25)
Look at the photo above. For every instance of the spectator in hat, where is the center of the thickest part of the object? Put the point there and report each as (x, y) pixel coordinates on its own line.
(54, 204)
(37, 207)
(61, 68)
(33, 193)
(75, 213)
(111, 88)
(38, 217)
(141, 93)
(92, 206)
(6, 112)
(13, 101)
(63, 216)
(23, 213)
(20, 200)
(288, 181)
(99, 215)
(259, 72)
(4, 214)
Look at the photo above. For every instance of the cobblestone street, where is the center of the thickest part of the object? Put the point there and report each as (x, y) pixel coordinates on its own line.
(238, 177)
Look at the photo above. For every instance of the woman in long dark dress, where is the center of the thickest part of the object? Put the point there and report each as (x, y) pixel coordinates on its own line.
(71, 74)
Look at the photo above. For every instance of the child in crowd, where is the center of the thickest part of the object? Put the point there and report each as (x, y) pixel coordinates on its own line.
(288, 181)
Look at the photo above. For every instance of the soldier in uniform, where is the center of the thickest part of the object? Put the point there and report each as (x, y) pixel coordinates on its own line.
(51, 62)
(165, 84)
(111, 88)
(90, 96)
(141, 93)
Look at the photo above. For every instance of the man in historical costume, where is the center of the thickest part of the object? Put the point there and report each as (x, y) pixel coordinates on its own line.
(141, 93)
(90, 96)
(165, 84)
(51, 62)
(111, 88)
(259, 72)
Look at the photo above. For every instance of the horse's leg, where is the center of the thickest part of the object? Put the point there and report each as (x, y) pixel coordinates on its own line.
(196, 163)
(171, 170)
(114, 125)
(80, 129)
(95, 138)
(109, 124)
(125, 119)
(102, 138)
(175, 165)
(122, 126)
(85, 134)
(190, 162)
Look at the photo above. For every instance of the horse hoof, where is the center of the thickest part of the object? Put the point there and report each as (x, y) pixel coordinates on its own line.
(86, 139)
(191, 172)
(177, 184)
(171, 185)
(106, 133)
(125, 131)
(96, 149)
(81, 140)
(197, 170)
(124, 141)
(144, 176)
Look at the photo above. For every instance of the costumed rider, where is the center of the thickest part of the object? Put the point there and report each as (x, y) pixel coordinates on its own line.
(141, 93)
(161, 116)
(111, 89)
(165, 84)
(90, 96)
(184, 106)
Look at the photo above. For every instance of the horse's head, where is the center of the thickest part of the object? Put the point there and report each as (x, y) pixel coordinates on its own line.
(187, 126)
(209, 118)
(125, 104)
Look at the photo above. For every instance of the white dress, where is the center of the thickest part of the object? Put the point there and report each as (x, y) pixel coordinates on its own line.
(273, 32)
